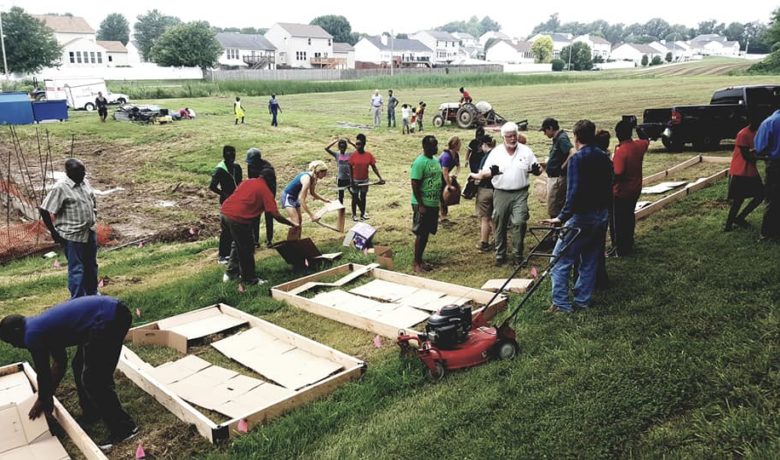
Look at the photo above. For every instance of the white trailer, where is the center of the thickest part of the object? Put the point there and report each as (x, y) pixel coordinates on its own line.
(81, 93)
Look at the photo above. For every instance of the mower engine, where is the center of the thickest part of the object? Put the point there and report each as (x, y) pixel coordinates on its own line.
(449, 326)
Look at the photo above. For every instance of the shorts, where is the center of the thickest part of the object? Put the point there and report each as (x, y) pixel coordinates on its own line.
(425, 224)
(357, 185)
(289, 201)
(742, 187)
(485, 202)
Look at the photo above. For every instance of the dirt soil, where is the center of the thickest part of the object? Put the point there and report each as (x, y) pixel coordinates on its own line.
(143, 210)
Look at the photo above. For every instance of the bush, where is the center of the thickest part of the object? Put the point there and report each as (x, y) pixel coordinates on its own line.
(557, 65)
(644, 60)
(656, 60)
(770, 64)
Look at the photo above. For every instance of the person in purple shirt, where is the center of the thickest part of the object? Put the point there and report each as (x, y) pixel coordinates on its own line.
(97, 326)
(449, 160)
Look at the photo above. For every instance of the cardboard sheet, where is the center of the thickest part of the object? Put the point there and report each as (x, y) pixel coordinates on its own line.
(384, 290)
(16, 428)
(200, 324)
(257, 398)
(663, 187)
(276, 359)
(14, 388)
(44, 449)
(394, 314)
(641, 204)
(171, 372)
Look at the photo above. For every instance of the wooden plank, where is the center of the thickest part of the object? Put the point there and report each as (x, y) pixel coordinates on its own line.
(74, 431)
(290, 285)
(180, 408)
(668, 172)
(712, 159)
(518, 285)
(658, 205)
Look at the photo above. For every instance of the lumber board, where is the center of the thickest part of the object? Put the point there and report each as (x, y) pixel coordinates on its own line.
(698, 185)
(338, 283)
(517, 285)
(714, 159)
(290, 285)
(668, 172)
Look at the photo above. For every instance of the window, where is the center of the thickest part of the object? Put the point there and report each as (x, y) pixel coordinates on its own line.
(330, 42)
(310, 41)
(316, 55)
(78, 57)
(72, 57)
(111, 59)
(92, 57)
(100, 57)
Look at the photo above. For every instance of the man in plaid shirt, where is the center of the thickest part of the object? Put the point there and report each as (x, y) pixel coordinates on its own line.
(72, 202)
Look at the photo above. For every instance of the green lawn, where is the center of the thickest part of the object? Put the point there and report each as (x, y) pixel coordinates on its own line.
(679, 357)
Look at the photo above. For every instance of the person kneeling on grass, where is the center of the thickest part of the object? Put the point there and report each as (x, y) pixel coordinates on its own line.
(97, 326)
(296, 194)
(251, 198)
(426, 186)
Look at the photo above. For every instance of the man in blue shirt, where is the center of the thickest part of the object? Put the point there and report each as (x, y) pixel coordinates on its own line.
(274, 108)
(767, 144)
(588, 196)
(97, 325)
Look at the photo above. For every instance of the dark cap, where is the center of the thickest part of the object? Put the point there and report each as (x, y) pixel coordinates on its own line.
(253, 156)
(549, 123)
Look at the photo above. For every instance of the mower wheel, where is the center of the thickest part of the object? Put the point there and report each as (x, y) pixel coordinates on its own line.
(435, 374)
(506, 349)
(438, 121)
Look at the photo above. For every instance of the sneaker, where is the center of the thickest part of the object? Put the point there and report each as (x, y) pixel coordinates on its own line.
(114, 440)
(500, 261)
(254, 282)
(556, 309)
(223, 260)
(269, 244)
(484, 247)
(354, 218)
(227, 278)
(364, 217)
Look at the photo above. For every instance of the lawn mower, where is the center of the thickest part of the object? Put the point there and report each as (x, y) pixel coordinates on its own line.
(453, 340)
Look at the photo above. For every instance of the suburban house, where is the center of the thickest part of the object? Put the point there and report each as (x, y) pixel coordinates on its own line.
(80, 48)
(483, 39)
(714, 45)
(560, 41)
(445, 47)
(301, 45)
(469, 46)
(634, 52)
(465, 39)
(246, 51)
(372, 51)
(598, 45)
(510, 52)
(344, 53)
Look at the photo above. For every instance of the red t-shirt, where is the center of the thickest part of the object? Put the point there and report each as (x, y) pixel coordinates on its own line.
(627, 163)
(360, 163)
(740, 167)
(251, 198)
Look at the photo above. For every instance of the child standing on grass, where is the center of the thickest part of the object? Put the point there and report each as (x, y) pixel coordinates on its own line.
(420, 111)
(406, 112)
(342, 160)
(238, 110)
(413, 120)
(359, 162)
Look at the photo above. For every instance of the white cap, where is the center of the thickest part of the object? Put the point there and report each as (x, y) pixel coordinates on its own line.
(509, 127)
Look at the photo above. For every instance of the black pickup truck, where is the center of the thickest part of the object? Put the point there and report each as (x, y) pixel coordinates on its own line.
(705, 125)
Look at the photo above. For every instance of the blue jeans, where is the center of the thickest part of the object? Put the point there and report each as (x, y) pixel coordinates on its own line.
(82, 266)
(584, 248)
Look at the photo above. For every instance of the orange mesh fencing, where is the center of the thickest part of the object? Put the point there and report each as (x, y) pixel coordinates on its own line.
(19, 240)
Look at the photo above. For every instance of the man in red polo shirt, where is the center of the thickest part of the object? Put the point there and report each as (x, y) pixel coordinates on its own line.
(359, 162)
(251, 199)
(627, 187)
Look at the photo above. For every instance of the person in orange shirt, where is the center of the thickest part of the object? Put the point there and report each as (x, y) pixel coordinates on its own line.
(744, 180)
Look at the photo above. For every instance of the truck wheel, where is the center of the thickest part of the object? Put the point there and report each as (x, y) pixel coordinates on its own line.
(40, 97)
(89, 106)
(121, 101)
(672, 146)
(438, 121)
(466, 116)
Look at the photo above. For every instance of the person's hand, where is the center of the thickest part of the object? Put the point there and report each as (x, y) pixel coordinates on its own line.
(37, 409)
(421, 210)
(381, 182)
(554, 222)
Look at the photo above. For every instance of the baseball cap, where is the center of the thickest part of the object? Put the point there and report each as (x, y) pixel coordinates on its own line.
(549, 123)
(253, 156)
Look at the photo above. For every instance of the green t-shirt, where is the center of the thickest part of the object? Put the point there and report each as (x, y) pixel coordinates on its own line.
(428, 172)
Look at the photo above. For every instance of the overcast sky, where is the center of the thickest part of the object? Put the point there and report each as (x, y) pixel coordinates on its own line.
(516, 18)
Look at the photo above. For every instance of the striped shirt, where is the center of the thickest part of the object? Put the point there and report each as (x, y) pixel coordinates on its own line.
(75, 209)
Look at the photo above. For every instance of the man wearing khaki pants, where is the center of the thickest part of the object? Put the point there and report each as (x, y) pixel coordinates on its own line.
(555, 168)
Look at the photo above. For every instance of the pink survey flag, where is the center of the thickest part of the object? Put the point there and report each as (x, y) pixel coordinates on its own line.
(243, 427)
(141, 244)
(139, 452)
(56, 264)
(378, 341)
(534, 273)
(101, 283)
(138, 312)
(241, 288)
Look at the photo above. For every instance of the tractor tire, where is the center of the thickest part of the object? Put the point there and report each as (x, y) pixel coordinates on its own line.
(466, 116)
(505, 349)
(435, 374)
(89, 106)
(438, 121)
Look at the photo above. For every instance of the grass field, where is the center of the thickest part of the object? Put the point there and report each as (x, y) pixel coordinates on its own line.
(678, 358)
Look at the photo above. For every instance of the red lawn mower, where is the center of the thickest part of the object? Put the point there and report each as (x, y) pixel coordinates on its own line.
(453, 340)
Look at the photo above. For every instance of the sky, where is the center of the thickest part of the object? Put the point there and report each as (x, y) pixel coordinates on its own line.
(373, 17)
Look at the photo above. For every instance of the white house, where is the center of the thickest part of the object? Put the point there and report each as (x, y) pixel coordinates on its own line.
(560, 41)
(634, 52)
(405, 52)
(510, 52)
(246, 51)
(598, 45)
(714, 45)
(301, 45)
(466, 39)
(80, 48)
(445, 47)
(483, 39)
(345, 54)
(469, 45)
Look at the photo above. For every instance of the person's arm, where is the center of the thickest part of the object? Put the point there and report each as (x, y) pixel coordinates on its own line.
(55, 235)
(304, 194)
(417, 192)
(214, 185)
(376, 171)
(280, 218)
(445, 173)
(456, 170)
(331, 152)
(748, 154)
(49, 377)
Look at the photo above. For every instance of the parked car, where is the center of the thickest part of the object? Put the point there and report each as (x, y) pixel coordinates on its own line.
(705, 126)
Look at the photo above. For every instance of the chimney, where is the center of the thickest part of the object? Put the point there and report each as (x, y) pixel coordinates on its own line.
(383, 38)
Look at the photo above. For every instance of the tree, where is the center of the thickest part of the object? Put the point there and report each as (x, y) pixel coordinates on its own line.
(557, 65)
(542, 49)
(148, 28)
(29, 44)
(656, 60)
(338, 26)
(657, 28)
(669, 56)
(644, 60)
(580, 56)
(193, 44)
(552, 25)
(114, 28)
(706, 27)
(474, 26)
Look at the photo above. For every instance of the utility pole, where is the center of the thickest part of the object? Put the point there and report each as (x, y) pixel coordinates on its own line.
(2, 44)
(571, 48)
(392, 50)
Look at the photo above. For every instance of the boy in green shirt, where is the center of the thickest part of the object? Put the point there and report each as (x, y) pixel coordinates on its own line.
(426, 186)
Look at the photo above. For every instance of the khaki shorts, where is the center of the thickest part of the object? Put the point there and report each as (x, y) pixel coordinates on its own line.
(556, 195)
(485, 202)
